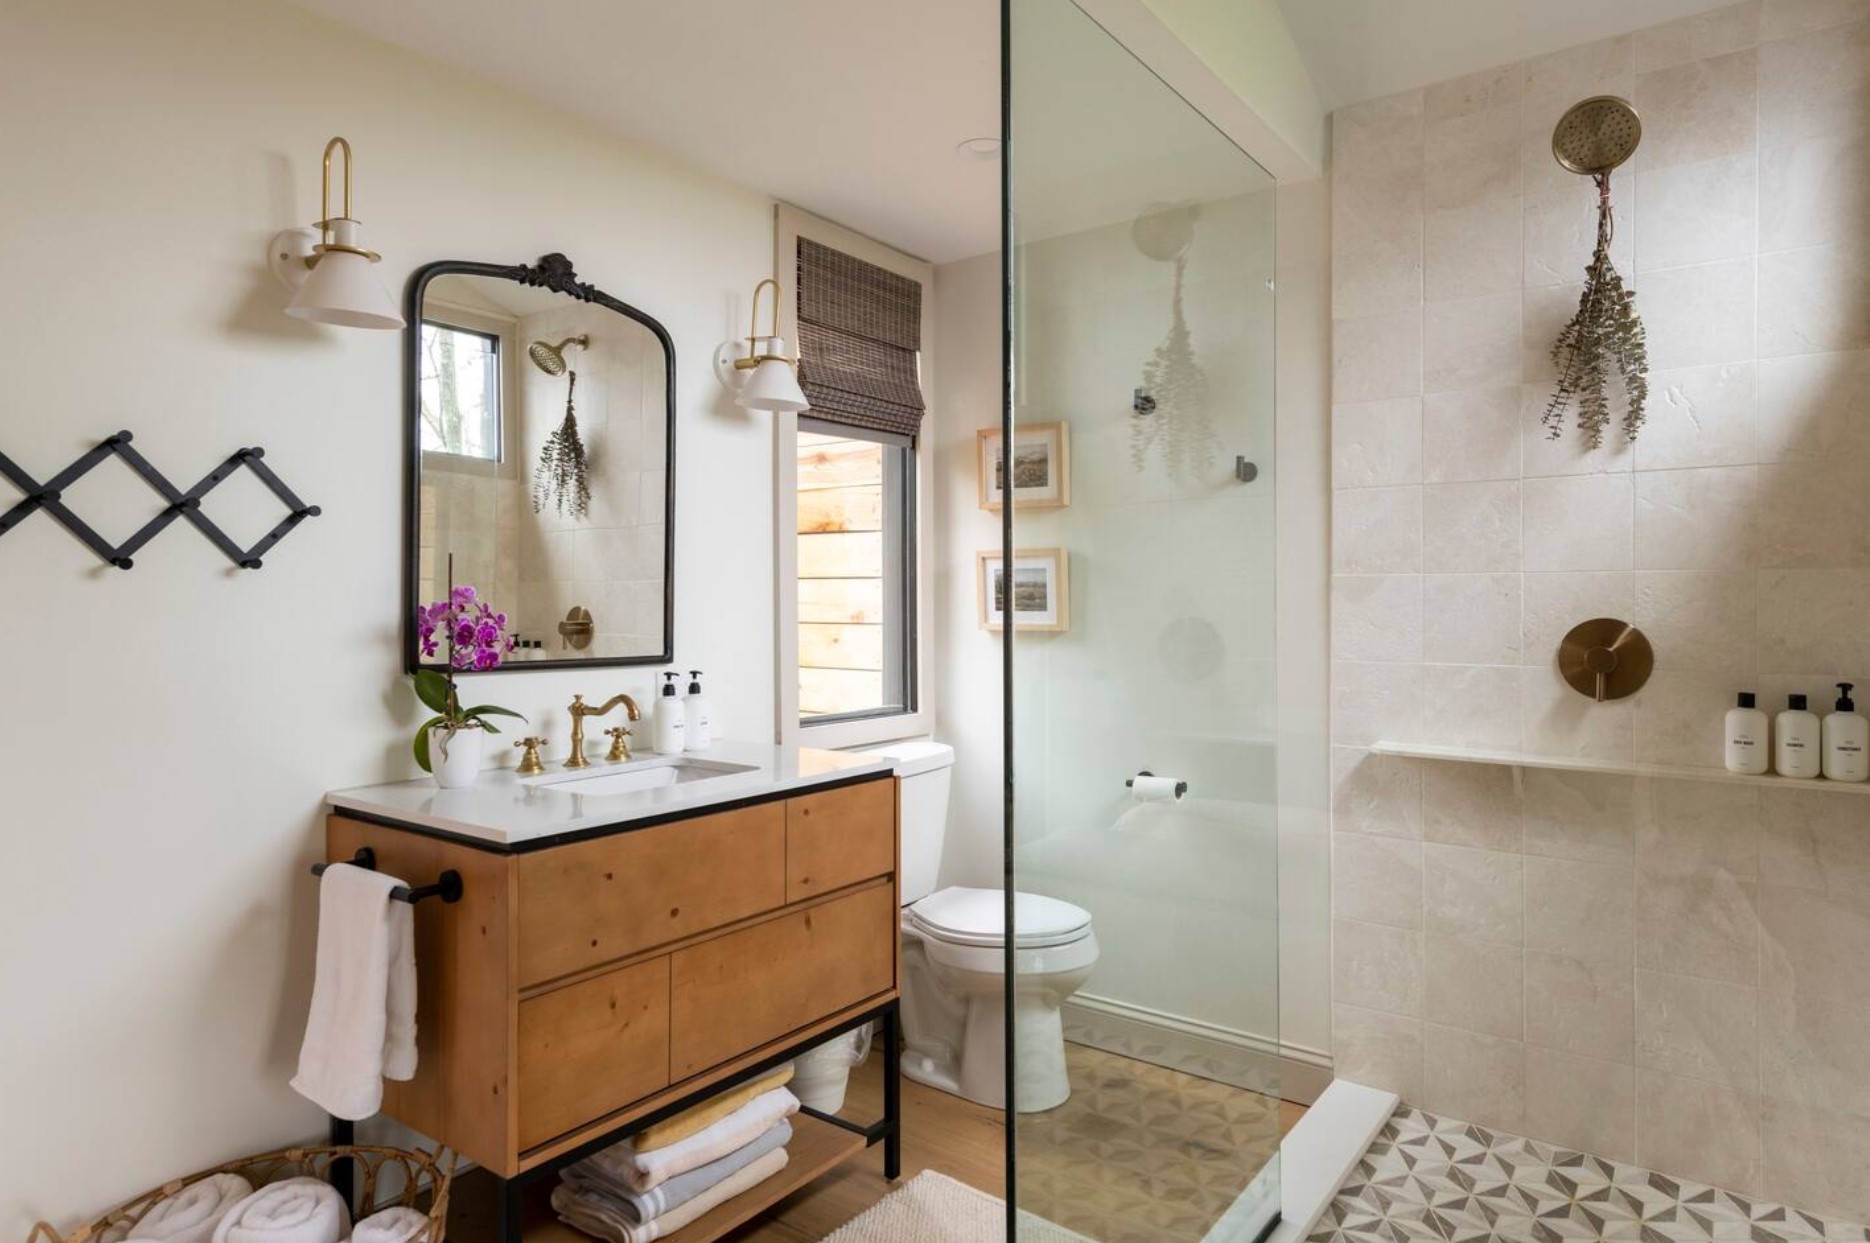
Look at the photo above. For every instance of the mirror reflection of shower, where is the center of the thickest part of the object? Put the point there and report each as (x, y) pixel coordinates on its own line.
(1171, 416)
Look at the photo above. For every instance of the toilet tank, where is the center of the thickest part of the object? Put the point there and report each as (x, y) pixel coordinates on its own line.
(924, 768)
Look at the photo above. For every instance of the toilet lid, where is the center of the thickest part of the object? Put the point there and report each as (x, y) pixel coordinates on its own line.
(978, 917)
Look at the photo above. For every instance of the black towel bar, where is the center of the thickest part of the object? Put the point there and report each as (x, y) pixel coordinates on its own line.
(447, 886)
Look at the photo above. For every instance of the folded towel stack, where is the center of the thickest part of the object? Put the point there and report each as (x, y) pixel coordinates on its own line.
(670, 1174)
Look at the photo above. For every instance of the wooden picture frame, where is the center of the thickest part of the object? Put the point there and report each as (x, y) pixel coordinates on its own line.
(1041, 603)
(1042, 451)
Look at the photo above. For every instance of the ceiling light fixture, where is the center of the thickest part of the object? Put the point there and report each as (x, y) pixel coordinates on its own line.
(328, 272)
(763, 377)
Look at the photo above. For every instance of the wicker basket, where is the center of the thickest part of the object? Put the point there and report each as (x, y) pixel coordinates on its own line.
(425, 1181)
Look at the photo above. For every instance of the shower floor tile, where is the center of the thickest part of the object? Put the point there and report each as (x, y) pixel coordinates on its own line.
(1142, 1153)
(1427, 1179)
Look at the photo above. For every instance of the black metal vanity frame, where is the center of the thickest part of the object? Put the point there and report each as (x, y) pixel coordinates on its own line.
(510, 1194)
(553, 272)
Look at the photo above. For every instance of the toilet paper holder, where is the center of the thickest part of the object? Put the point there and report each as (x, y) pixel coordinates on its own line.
(1181, 787)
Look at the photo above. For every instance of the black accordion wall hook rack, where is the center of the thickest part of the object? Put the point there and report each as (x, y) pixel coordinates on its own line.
(46, 496)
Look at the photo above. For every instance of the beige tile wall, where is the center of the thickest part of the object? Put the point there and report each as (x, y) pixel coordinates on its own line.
(1676, 972)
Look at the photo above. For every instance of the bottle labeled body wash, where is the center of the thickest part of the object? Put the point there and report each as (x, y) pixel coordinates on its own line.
(1846, 740)
(1797, 741)
(670, 718)
(700, 714)
(1748, 736)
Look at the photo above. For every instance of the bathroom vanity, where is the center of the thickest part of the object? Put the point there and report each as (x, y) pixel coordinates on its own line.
(629, 939)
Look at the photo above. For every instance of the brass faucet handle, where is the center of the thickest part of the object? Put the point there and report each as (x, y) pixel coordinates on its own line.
(619, 749)
(529, 763)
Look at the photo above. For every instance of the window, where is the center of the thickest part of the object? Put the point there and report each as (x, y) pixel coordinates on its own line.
(856, 573)
(854, 472)
(460, 391)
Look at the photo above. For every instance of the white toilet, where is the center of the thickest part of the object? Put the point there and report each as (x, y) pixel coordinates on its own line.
(954, 947)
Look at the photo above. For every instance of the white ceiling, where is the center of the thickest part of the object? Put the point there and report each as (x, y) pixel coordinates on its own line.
(848, 108)
(1362, 49)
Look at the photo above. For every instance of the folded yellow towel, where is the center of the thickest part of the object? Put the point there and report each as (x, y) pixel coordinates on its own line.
(709, 1112)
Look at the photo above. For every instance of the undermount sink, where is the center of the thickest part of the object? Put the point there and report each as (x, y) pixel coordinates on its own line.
(638, 776)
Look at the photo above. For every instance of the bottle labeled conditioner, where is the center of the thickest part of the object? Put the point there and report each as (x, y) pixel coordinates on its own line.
(1749, 737)
(1846, 740)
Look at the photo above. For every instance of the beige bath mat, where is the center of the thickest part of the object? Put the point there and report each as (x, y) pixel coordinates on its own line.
(933, 1208)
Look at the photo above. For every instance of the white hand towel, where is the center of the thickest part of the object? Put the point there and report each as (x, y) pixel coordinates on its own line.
(392, 1225)
(298, 1210)
(362, 1025)
(595, 1216)
(191, 1214)
(592, 1181)
(644, 1171)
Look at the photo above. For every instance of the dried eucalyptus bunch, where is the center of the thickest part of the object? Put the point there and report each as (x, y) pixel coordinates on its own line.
(1605, 339)
(1181, 423)
(562, 477)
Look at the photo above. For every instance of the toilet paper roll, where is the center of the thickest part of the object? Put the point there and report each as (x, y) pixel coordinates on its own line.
(1147, 789)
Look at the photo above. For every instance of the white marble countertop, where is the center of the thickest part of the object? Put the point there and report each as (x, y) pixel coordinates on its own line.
(507, 810)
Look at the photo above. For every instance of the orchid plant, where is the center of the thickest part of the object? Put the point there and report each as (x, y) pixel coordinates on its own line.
(476, 639)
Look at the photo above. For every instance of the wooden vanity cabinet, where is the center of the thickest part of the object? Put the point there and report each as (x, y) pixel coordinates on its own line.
(580, 984)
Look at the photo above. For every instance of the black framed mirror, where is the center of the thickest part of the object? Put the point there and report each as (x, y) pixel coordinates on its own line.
(540, 441)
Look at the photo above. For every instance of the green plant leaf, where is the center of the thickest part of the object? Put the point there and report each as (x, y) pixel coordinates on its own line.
(422, 742)
(491, 710)
(432, 690)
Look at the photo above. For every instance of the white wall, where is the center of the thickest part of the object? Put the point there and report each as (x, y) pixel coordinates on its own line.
(168, 732)
(968, 369)
(1667, 971)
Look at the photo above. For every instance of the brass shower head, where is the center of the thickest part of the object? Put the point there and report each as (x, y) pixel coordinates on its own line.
(1596, 135)
(551, 358)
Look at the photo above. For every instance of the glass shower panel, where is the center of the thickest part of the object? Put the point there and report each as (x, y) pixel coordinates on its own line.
(1140, 283)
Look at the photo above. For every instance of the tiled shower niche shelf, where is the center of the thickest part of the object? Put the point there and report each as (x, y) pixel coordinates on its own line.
(1615, 768)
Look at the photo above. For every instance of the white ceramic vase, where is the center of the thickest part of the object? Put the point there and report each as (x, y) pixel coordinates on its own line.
(455, 760)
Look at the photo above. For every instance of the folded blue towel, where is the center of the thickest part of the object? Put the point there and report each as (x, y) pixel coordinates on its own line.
(590, 1178)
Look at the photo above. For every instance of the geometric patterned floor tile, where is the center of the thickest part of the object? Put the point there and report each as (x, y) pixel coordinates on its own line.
(1427, 1179)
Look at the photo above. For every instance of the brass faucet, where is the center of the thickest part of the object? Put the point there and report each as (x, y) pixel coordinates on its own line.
(580, 710)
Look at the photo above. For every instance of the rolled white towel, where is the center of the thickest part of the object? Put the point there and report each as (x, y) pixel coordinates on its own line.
(392, 1225)
(191, 1214)
(297, 1210)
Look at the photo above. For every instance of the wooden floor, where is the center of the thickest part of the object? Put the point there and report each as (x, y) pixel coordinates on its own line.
(940, 1132)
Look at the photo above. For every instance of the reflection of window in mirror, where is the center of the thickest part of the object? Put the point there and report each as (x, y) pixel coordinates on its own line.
(461, 383)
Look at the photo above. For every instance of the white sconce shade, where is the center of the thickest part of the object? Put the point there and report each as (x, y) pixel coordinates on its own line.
(772, 385)
(327, 270)
(341, 289)
(758, 373)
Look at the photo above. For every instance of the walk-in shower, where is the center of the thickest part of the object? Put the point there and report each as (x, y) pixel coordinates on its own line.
(1140, 261)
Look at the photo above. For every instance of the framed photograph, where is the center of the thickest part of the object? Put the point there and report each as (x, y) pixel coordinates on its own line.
(1041, 466)
(1041, 589)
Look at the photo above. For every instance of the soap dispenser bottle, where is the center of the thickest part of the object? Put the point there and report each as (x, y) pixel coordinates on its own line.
(1796, 740)
(1846, 740)
(670, 718)
(1748, 734)
(700, 715)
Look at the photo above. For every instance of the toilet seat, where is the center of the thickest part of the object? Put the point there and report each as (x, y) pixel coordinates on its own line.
(977, 917)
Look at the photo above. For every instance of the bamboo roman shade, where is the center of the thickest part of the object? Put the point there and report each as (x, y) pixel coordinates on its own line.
(860, 334)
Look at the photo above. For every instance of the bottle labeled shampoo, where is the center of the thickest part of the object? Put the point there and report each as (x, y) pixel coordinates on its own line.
(1748, 737)
(670, 718)
(700, 715)
(1846, 740)
(1797, 741)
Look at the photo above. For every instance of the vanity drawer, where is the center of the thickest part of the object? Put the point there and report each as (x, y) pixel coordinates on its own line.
(839, 837)
(738, 992)
(590, 1048)
(601, 900)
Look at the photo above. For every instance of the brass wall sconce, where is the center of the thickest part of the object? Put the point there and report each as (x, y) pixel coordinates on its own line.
(763, 377)
(325, 267)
